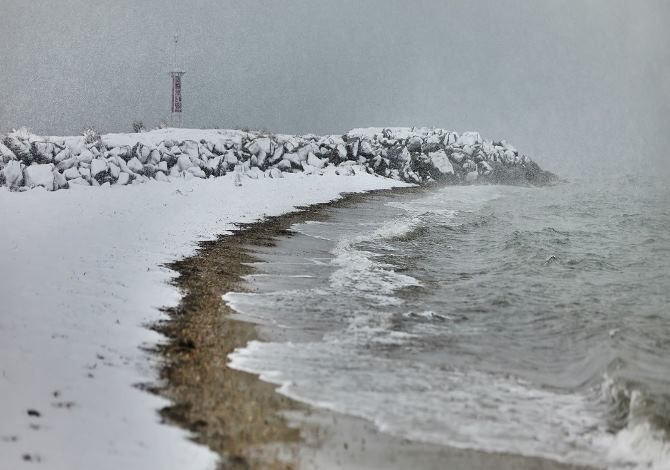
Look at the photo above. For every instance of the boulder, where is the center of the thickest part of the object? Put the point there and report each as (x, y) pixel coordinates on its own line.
(62, 155)
(6, 154)
(345, 170)
(163, 166)
(135, 165)
(276, 173)
(341, 151)
(441, 162)
(294, 158)
(191, 148)
(39, 175)
(257, 146)
(124, 178)
(353, 146)
(160, 176)
(284, 164)
(78, 182)
(458, 156)
(184, 162)
(315, 161)
(260, 158)
(485, 168)
(59, 180)
(98, 166)
(414, 144)
(71, 173)
(154, 157)
(18, 148)
(196, 171)
(471, 177)
(255, 173)
(85, 156)
(277, 155)
(114, 170)
(43, 150)
(431, 144)
(366, 148)
(85, 173)
(450, 139)
(231, 158)
(13, 174)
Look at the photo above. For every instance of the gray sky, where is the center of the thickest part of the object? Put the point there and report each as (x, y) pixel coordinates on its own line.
(565, 81)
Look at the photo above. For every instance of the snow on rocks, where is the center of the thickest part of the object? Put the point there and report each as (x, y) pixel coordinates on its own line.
(441, 162)
(13, 174)
(416, 155)
(39, 175)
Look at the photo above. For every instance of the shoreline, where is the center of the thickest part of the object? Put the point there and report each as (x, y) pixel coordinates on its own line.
(243, 419)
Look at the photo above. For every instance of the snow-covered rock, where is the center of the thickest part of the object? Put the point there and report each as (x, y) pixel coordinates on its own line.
(409, 154)
(86, 156)
(59, 180)
(196, 171)
(414, 144)
(39, 175)
(160, 176)
(98, 165)
(71, 173)
(315, 161)
(184, 162)
(13, 174)
(366, 149)
(124, 178)
(79, 182)
(441, 162)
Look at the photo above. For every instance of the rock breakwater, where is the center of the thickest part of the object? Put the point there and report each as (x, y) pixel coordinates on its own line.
(415, 155)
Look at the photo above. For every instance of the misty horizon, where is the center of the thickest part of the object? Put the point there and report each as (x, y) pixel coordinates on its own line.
(594, 75)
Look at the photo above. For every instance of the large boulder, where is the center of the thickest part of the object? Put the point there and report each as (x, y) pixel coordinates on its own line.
(59, 180)
(98, 166)
(18, 147)
(135, 165)
(39, 175)
(441, 162)
(366, 148)
(263, 144)
(414, 144)
(13, 174)
(86, 156)
(71, 173)
(6, 154)
(315, 161)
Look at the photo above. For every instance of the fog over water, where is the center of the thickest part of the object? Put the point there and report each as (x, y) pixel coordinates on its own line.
(566, 82)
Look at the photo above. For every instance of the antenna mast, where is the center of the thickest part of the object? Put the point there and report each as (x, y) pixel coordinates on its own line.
(176, 74)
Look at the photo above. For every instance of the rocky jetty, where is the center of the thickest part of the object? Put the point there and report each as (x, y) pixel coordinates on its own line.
(415, 155)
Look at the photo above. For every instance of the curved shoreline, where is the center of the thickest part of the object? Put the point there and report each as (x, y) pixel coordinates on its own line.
(242, 418)
(227, 410)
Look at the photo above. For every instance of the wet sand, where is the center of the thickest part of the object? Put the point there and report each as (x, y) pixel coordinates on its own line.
(244, 419)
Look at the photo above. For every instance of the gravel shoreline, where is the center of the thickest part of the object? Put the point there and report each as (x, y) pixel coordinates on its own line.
(242, 418)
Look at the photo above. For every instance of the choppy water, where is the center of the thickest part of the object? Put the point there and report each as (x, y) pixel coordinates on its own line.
(531, 321)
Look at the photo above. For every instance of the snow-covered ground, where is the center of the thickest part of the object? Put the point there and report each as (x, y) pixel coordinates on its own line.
(80, 278)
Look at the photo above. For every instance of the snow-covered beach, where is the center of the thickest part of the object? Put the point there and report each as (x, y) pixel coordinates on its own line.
(81, 280)
(83, 271)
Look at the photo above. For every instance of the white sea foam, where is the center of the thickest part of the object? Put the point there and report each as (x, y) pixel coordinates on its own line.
(448, 407)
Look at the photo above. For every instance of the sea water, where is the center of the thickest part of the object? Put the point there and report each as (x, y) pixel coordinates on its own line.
(533, 321)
